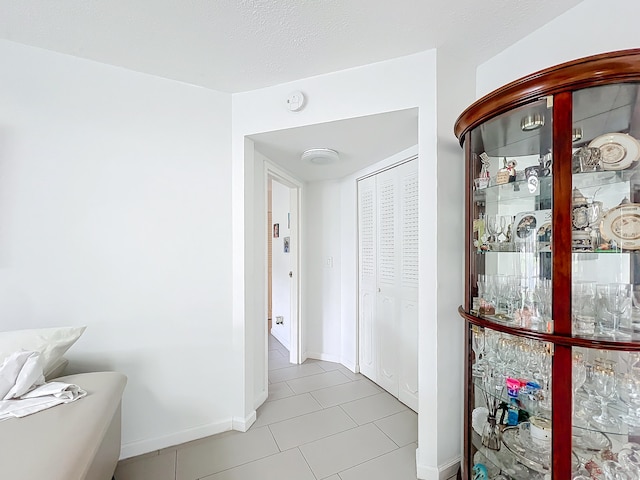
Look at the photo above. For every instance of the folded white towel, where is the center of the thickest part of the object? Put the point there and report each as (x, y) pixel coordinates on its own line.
(23, 389)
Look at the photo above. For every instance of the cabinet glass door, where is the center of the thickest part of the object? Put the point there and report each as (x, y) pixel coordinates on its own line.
(605, 279)
(512, 200)
(606, 212)
(512, 404)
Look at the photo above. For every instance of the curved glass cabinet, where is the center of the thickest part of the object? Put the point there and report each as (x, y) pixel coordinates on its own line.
(552, 285)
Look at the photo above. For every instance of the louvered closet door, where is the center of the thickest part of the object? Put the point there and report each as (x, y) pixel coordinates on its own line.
(408, 348)
(388, 240)
(367, 275)
(387, 324)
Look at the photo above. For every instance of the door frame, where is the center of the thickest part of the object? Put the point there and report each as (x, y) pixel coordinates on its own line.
(273, 172)
(358, 179)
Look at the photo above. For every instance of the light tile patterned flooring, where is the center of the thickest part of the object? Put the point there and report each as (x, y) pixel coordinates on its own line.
(321, 421)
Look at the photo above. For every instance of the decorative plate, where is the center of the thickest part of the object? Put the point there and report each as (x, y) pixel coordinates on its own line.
(618, 150)
(527, 225)
(622, 225)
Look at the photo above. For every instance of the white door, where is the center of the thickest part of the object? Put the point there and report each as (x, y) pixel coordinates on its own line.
(387, 322)
(367, 268)
(281, 263)
(388, 276)
(408, 285)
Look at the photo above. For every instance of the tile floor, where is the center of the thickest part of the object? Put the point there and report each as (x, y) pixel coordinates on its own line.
(321, 421)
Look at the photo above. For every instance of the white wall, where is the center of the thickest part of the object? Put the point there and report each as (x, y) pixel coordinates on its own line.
(114, 213)
(589, 28)
(406, 82)
(456, 88)
(258, 230)
(322, 281)
(281, 264)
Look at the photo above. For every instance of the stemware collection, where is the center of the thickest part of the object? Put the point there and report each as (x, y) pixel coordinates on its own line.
(512, 298)
(606, 403)
(609, 309)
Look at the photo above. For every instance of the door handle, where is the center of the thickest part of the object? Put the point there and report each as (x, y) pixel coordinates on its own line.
(290, 274)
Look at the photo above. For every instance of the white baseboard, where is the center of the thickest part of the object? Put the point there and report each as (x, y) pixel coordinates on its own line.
(450, 469)
(351, 366)
(442, 472)
(284, 341)
(134, 449)
(425, 472)
(324, 356)
(261, 398)
(243, 424)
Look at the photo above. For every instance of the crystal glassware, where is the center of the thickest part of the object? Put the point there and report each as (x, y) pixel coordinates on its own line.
(583, 301)
(493, 227)
(478, 348)
(578, 377)
(630, 385)
(605, 385)
(616, 299)
(615, 471)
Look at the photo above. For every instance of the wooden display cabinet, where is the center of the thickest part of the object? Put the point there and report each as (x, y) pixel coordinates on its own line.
(552, 282)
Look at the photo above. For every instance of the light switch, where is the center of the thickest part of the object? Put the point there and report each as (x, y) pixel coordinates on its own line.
(328, 262)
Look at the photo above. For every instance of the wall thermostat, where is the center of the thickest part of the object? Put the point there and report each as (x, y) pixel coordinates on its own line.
(295, 101)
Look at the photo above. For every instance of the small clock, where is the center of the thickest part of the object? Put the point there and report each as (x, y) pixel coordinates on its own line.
(622, 224)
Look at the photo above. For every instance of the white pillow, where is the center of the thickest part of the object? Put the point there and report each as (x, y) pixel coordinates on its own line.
(52, 343)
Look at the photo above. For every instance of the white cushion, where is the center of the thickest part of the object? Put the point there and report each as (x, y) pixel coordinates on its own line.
(52, 343)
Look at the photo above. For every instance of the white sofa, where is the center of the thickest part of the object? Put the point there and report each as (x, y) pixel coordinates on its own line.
(75, 441)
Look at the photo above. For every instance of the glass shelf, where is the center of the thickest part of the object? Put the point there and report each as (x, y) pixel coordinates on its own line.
(514, 191)
(512, 247)
(623, 336)
(603, 178)
(545, 247)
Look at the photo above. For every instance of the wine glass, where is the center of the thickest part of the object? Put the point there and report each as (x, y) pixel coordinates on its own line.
(506, 353)
(493, 227)
(501, 285)
(503, 228)
(616, 298)
(478, 348)
(605, 385)
(542, 294)
(631, 386)
(583, 302)
(491, 338)
(578, 378)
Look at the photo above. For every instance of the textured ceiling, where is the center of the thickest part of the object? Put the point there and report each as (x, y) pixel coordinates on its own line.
(239, 45)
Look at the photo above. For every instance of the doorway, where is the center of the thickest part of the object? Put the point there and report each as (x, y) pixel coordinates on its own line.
(327, 233)
(283, 259)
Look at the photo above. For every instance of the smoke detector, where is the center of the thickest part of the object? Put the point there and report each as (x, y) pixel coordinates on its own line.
(320, 156)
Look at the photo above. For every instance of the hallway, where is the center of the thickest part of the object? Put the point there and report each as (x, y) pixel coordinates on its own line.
(321, 421)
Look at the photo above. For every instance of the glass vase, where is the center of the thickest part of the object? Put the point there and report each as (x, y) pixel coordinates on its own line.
(491, 434)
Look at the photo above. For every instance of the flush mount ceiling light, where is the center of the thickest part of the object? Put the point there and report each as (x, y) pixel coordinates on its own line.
(532, 122)
(320, 156)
